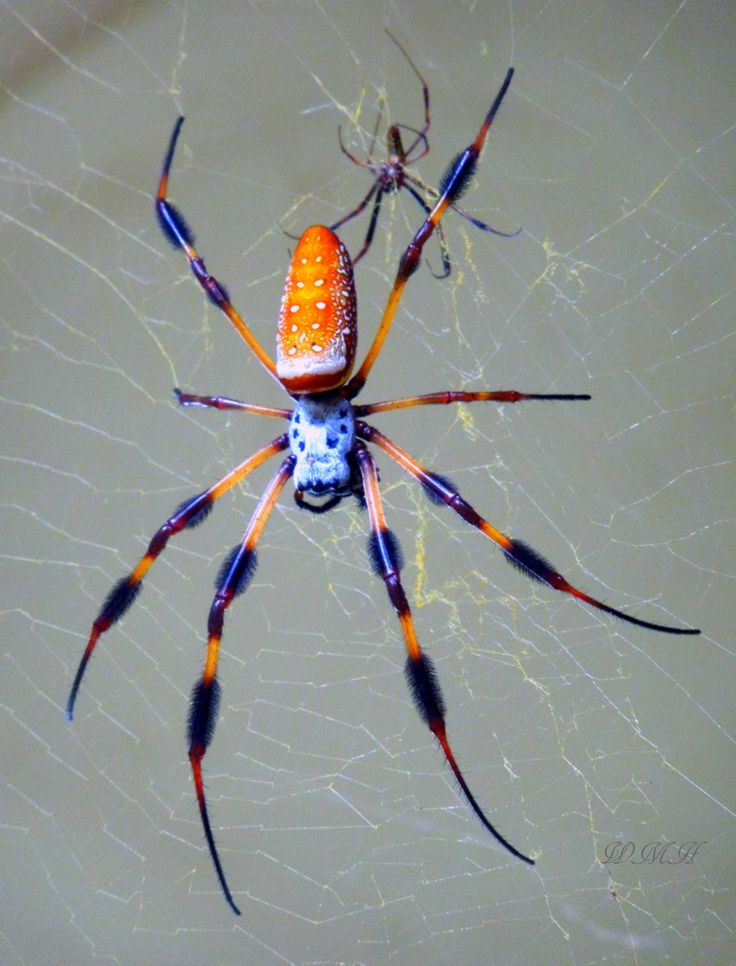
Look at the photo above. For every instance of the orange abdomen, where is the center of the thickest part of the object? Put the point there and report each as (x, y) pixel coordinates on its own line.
(317, 334)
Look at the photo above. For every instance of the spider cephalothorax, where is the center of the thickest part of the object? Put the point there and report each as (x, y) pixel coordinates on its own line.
(322, 438)
(327, 443)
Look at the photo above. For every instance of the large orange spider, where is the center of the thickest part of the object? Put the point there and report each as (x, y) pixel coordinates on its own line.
(327, 457)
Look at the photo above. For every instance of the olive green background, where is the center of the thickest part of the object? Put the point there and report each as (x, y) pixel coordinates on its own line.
(341, 830)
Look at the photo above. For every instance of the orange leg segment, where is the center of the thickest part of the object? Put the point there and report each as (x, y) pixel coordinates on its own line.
(233, 579)
(179, 234)
(524, 557)
(385, 555)
(460, 396)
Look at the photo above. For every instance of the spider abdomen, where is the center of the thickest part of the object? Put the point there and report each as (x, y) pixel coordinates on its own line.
(321, 438)
(317, 334)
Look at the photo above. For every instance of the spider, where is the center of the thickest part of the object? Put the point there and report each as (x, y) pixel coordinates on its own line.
(391, 176)
(328, 458)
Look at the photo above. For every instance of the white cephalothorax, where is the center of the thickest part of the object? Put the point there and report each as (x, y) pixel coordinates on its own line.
(321, 435)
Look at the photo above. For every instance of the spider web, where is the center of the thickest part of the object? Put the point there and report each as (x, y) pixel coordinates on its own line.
(341, 830)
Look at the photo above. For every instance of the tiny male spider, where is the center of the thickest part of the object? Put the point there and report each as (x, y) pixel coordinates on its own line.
(391, 176)
(327, 457)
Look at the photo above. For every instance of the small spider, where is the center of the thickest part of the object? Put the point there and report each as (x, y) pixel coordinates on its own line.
(327, 457)
(391, 176)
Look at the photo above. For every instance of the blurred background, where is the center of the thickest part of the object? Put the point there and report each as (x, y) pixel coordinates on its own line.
(340, 827)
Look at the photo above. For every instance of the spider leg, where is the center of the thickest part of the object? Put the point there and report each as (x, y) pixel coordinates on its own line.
(420, 138)
(178, 233)
(225, 402)
(385, 556)
(370, 164)
(376, 126)
(460, 396)
(421, 135)
(375, 189)
(357, 210)
(461, 172)
(232, 580)
(483, 226)
(446, 268)
(371, 225)
(521, 555)
(189, 514)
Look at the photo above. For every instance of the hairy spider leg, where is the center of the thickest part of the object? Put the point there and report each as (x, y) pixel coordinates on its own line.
(233, 579)
(460, 172)
(188, 515)
(178, 233)
(460, 396)
(385, 556)
(520, 554)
